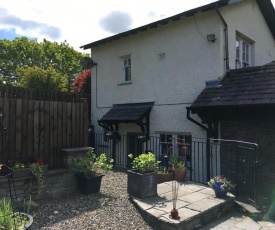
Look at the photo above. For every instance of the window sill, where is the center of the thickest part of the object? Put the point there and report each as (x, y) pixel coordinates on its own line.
(125, 83)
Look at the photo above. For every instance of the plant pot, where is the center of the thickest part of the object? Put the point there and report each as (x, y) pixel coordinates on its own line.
(164, 177)
(179, 173)
(26, 223)
(16, 173)
(218, 191)
(26, 172)
(141, 185)
(88, 185)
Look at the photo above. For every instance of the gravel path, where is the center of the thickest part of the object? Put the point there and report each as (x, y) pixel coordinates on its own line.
(109, 209)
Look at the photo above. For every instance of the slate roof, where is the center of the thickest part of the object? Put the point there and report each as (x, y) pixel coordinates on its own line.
(254, 86)
(265, 6)
(127, 113)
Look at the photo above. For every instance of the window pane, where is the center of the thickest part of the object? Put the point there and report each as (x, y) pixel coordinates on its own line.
(238, 53)
(127, 73)
(237, 44)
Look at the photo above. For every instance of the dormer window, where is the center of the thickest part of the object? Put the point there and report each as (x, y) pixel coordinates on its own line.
(244, 57)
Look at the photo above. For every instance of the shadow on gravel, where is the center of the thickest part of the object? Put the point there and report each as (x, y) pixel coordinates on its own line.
(65, 209)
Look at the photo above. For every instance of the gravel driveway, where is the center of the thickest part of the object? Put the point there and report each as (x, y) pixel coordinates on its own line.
(109, 209)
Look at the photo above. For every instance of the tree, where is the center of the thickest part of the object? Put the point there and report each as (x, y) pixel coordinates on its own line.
(22, 52)
(82, 83)
(37, 78)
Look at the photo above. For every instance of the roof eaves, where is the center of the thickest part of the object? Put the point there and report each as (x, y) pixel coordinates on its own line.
(268, 12)
(157, 23)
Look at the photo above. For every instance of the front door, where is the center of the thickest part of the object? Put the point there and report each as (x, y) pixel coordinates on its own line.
(134, 146)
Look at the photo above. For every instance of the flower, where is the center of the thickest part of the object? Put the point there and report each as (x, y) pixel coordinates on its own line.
(225, 184)
(39, 161)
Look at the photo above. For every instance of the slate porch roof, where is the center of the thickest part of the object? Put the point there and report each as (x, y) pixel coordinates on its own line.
(127, 113)
(254, 86)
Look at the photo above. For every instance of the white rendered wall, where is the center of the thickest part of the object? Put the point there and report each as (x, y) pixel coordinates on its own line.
(249, 21)
(174, 82)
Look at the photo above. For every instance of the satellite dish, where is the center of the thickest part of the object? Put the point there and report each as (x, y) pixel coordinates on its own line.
(87, 63)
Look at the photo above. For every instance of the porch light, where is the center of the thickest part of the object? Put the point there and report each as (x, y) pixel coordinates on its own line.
(211, 38)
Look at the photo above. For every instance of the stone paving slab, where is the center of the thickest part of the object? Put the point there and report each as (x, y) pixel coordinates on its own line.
(196, 204)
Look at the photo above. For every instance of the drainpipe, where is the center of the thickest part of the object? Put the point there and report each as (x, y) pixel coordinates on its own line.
(208, 133)
(225, 38)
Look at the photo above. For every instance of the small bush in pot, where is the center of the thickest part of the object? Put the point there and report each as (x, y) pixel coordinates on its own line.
(13, 220)
(145, 162)
(90, 171)
(178, 168)
(221, 185)
(142, 179)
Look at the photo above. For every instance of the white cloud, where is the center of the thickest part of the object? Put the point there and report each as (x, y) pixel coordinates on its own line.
(78, 22)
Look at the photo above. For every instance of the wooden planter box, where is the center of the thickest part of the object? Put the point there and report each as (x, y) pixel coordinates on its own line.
(164, 177)
(26, 172)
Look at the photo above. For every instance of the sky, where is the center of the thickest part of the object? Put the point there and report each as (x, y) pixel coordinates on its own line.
(80, 22)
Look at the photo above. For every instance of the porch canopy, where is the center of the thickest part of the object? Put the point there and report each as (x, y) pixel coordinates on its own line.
(127, 113)
(244, 94)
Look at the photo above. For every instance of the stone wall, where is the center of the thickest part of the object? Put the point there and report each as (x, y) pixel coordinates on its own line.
(57, 184)
(262, 133)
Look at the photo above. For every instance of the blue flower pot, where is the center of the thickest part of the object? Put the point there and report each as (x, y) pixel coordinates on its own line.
(218, 191)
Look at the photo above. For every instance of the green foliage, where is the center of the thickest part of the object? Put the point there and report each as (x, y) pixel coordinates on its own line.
(5, 214)
(8, 221)
(145, 162)
(91, 165)
(176, 163)
(35, 77)
(18, 165)
(23, 52)
(39, 175)
(225, 186)
(82, 83)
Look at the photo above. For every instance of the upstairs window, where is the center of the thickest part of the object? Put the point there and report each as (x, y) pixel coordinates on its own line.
(127, 63)
(243, 53)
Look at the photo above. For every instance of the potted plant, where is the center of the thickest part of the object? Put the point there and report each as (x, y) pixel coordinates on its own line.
(21, 170)
(13, 220)
(178, 168)
(142, 179)
(90, 171)
(221, 186)
(164, 175)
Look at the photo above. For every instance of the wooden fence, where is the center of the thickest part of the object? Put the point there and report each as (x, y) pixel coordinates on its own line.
(38, 123)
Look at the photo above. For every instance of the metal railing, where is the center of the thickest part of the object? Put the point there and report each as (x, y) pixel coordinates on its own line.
(204, 158)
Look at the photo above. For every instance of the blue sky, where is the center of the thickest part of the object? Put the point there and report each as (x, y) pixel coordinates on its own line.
(83, 21)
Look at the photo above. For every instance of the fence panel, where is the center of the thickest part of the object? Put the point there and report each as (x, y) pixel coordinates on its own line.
(39, 124)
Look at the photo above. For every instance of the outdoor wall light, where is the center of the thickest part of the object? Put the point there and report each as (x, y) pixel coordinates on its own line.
(211, 38)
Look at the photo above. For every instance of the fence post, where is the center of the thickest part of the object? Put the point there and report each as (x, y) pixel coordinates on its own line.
(208, 157)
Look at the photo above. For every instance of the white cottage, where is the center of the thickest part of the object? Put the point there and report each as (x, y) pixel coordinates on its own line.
(144, 79)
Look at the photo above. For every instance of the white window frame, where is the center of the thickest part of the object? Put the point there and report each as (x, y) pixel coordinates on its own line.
(244, 52)
(127, 69)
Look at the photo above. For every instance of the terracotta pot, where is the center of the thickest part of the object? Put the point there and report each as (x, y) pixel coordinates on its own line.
(174, 213)
(164, 177)
(179, 174)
